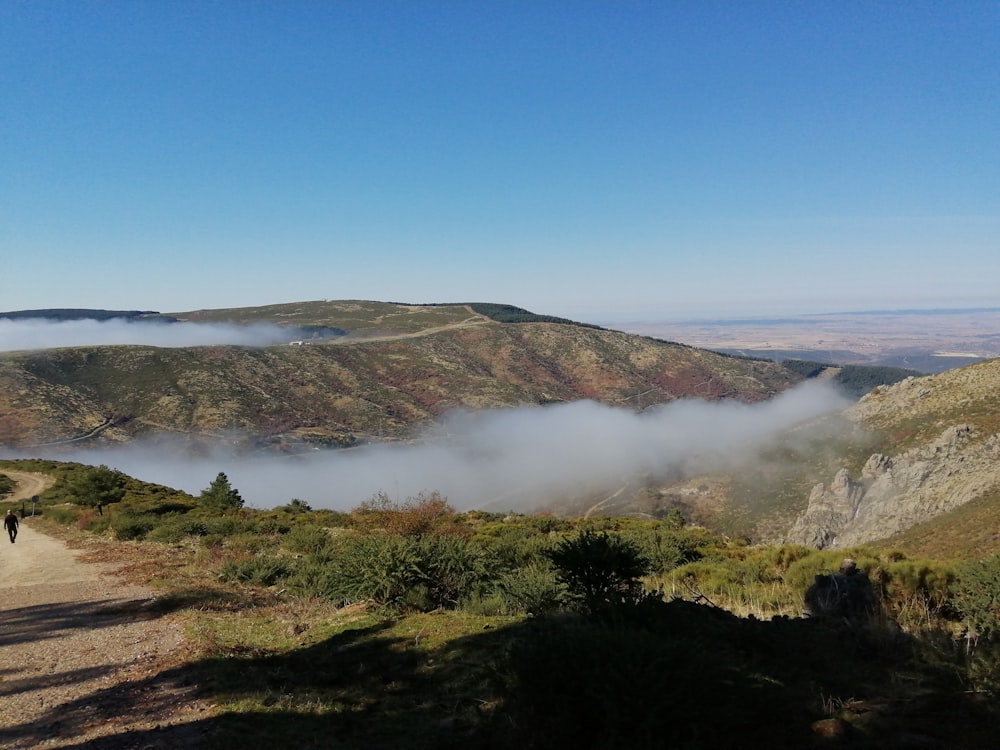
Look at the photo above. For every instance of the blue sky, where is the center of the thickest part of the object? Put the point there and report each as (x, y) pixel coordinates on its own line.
(605, 161)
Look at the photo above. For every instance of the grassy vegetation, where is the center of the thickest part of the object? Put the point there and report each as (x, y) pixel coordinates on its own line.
(413, 626)
(968, 532)
(357, 317)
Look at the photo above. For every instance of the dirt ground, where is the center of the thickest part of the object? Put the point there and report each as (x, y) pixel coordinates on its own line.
(86, 659)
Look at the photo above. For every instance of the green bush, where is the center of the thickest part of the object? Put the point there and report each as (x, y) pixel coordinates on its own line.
(600, 571)
(453, 569)
(379, 567)
(260, 570)
(977, 597)
(665, 548)
(174, 529)
(533, 589)
(129, 527)
(514, 547)
(306, 539)
(916, 589)
(315, 578)
(64, 514)
(424, 573)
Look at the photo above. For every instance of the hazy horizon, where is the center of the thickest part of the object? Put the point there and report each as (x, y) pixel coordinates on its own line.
(32, 333)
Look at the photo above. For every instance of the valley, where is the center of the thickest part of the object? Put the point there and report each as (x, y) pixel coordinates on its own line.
(498, 408)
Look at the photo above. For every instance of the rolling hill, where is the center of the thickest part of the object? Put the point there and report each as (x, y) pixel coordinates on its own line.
(391, 368)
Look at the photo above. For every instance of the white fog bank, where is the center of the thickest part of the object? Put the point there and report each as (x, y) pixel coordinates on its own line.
(40, 333)
(500, 459)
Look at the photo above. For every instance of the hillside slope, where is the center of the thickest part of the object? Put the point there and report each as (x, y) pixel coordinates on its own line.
(398, 367)
(934, 457)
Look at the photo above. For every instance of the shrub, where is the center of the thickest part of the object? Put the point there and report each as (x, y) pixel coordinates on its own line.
(173, 530)
(261, 570)
(64, 514)
(600, 571)
(127, 526)
(453, 569)
(533, 589)
(412, 572)
(427, 513)
(377, 567)
(517, 546)
(315, 578)
(916, 590)
(295, 507)
(665, 548)
(977, 597)
(307, 539)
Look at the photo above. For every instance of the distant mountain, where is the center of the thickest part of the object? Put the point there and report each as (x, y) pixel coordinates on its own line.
(61, 314)
(397, 367)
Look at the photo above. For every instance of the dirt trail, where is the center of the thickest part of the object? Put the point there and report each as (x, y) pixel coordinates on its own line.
(28, 484)
(87, 658)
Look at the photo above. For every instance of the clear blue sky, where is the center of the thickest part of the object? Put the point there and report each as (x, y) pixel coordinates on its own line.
(604, 161)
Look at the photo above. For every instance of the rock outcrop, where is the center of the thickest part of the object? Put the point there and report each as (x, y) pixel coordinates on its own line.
(894, 493)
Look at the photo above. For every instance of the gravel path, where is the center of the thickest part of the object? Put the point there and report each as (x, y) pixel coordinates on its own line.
(86, 660)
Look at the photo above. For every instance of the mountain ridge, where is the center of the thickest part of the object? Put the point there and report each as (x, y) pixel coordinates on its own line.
(396, 367)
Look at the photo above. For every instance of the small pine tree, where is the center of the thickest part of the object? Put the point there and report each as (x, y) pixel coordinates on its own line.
(98, 487)
(221, 495)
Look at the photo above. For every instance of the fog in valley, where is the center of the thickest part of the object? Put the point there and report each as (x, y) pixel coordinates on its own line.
(39, 333)
(511, 459)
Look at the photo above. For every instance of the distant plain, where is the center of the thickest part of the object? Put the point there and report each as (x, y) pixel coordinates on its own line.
(925, 340)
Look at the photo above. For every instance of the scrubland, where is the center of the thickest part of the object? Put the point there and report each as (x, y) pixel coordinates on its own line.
(406, 624)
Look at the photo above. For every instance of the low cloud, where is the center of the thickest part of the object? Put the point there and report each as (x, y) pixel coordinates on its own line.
(41, 333)
(499, 459)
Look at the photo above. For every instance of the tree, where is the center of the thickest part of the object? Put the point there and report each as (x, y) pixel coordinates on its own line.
(221, 495)
(98, 487)
(977, 596)
(296, 506)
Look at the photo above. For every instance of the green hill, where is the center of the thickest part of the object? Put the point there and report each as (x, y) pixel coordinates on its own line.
(396, 367)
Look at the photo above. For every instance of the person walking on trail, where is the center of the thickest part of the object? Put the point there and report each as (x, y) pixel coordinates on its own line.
(10, 523)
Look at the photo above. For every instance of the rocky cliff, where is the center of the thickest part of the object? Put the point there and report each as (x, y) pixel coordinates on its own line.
(939, 440)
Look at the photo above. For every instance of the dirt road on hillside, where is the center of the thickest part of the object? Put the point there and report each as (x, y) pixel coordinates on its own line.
(86, 657)
(28, 484)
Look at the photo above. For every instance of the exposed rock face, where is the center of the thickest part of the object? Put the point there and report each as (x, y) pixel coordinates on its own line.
(894, 493)
(830, 510)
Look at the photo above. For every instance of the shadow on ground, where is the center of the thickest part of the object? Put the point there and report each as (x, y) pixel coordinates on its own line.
(674, 675)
